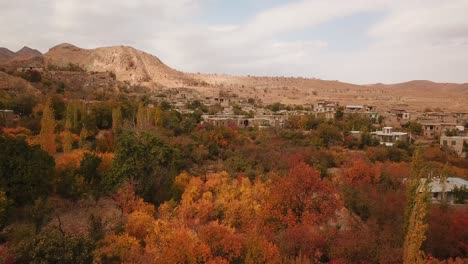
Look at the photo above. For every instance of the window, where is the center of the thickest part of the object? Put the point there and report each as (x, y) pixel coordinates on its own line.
(445, 142)
(454, 143)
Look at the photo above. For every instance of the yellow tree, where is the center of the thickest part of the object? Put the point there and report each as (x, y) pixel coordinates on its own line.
(67, 139)
(83, 136)
(142, 117)
(116, 119)
(417, 227)
(416, 213)
(67, 143)
(47, 135)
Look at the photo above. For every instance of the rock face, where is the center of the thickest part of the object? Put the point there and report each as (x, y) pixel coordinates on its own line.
(128, 64)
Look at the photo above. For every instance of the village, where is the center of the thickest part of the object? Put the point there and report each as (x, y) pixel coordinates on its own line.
(449, 130)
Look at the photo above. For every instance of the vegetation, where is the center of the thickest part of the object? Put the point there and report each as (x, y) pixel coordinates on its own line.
(123, 181)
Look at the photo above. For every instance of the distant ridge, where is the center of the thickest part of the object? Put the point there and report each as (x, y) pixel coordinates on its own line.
(6, 53)
(27, 52)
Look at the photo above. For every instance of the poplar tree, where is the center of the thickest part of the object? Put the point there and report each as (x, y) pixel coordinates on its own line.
(116, 119)
(67, 143)
(417, 211)
(83, 136)
(47, 134)
(142, 117)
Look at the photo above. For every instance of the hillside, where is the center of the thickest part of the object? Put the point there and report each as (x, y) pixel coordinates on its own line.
(27, 52)
(6, 53)
(128, 64)
(136, 67)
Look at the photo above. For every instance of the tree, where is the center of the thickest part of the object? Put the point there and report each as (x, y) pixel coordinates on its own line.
(4, 206)
(312, 201)
(83, 136)
(142, 117)
(53, 246)
(47, 135)
(329, 134)
(25, 171)
(417, 226)
(67, 144)
(121, 248)
(116, 119)
(147, 160)
(418, 203)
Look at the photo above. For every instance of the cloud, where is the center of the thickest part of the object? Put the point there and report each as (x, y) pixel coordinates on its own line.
(412, 39)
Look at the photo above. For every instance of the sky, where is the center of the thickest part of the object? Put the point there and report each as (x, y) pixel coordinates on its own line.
(356, 41)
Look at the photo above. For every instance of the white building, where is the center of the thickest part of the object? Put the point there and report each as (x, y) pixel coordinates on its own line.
(388, 137)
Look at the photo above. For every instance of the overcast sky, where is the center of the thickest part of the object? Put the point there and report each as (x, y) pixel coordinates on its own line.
(357, 41)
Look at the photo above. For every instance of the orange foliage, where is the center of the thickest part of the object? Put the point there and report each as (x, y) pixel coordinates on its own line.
(129, 202)
(176, 245)
(139, 224)
(125, 248)
(362, 172)
(17, 131)
(224, 243)
(69, 160)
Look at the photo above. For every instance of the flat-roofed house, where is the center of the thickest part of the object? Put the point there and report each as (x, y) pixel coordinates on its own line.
(445, 190)
(435, 129)
(6, 117)
(388, 137)
(458, 144)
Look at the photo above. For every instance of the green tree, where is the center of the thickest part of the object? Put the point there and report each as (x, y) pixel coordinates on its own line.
(147, 160)
(54, 246)
(25, 171)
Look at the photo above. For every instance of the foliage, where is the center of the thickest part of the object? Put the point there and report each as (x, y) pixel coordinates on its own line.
(47, 135)
(147, 160)
(52, 246)
(25, 171)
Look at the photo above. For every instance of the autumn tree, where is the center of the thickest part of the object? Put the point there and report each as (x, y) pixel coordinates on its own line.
(313, 200)
(116, 119)
(417, 210)
(417, 226)
(47, 135)
(67, 141)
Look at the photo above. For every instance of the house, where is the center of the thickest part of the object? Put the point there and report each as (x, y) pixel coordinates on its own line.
(6, 117)
(226, 120)
(323, 106)
(435, 129)
(440, 117)
(458, 144)
(388, 137)
(443, 190)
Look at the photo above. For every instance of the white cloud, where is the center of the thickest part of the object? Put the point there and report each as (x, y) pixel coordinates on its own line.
(415, 39)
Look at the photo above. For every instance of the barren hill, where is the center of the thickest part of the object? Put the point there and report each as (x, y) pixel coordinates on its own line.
(140, 68)
(6, 54)
(128, 64)
(27, 52)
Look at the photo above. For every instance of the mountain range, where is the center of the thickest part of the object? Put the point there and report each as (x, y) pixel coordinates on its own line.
(136, 67)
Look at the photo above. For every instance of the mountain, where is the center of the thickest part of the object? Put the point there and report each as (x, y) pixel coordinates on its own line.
(128, 64)
(6, 53)
(27, 52)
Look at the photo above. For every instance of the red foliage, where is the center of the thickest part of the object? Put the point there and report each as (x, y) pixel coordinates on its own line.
(302, 197)
(361, 171)
(447, 236)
